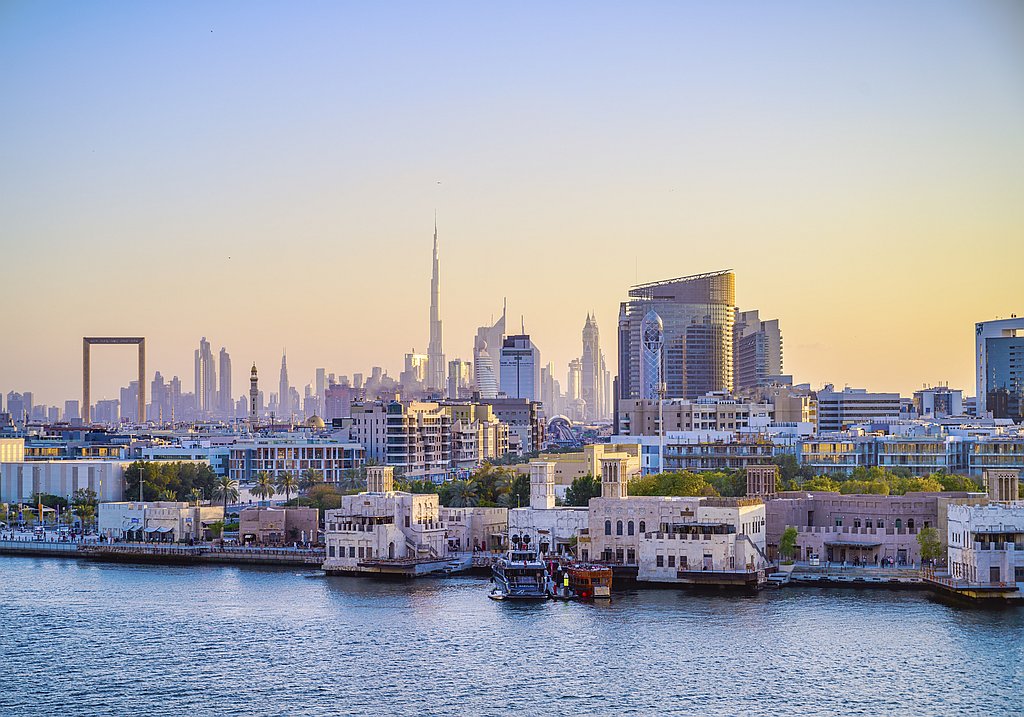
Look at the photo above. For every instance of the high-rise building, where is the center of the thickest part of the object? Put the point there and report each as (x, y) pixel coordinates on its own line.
(591, 383)
(487, 357)
(71, 412)
(460, 378)
(321, 388)
(756, 351)
(435, 352)
(224, 396)
(19, 406)
(520, 368)
(284, 406)
(205, 378)
(652, 337)
(999, 367)
(838, 410)
(697, 313)
(130, 402)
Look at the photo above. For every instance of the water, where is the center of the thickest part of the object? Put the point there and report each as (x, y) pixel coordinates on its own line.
(79, 638)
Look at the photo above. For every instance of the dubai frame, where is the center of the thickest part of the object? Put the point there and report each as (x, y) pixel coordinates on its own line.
(87, 342)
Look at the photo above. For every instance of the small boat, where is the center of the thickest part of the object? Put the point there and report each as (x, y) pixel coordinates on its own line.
(580, 581)
(519, 575)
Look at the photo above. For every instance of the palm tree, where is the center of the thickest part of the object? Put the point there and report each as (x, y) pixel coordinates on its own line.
(264, 486)
(286, 484)
(309, 478)
(168, 495)
(462, 494)
(353, 479)
(195, 496)
(226, 490)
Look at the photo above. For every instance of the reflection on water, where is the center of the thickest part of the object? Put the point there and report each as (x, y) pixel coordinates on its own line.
(81, 638)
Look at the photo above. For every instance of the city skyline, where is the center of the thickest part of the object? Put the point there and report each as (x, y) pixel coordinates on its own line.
(306, 195)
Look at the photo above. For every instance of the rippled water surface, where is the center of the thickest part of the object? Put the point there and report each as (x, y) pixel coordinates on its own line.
(80, 638)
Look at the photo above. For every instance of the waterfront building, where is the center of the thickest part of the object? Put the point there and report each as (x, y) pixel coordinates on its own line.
(21, 480)
(757, 351)
(477, 528)
(279, 455)
(668, 538)
(520, 368)
(543, 526)
(279, 526)
(697, 313)
(999, 367)
(436, 379)
(837, 410)
(986, 544)
(866, 529)
(159, 521)
(381, 526)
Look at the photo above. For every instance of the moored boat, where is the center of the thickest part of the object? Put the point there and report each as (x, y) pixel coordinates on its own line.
(519, 575)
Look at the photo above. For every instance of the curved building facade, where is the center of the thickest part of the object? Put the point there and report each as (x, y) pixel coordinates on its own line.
(652, 339)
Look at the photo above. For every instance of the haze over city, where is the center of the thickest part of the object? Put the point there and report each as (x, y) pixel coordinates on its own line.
(269, 179)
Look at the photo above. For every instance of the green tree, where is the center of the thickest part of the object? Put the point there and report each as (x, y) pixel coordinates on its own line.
(823, 483)
(324, 497)
(216, 529)
(264, 488)
(353, 479)
(871, 487)
(518, 493)
(582, 490)
(309, 478)
(954, 482)
(931, 546)
(462, 494)
(787, 543)
(226, 490)
(286, 484)
(672, 484)
(195, 496)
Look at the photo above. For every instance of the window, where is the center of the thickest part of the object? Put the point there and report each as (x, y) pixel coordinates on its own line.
(867, 523)
(361, 551)
(881, 524)
(629, 528)
(910, 524)
(607, 527)
(856, 522)
(618, 527)
(352, 551)
(660, 561)
(643, 527)
(927, 524)
(839, 522)
(631, 556)
(330, 551)
(899, 524)
(407, 521)
(682, 561)
(671, 561)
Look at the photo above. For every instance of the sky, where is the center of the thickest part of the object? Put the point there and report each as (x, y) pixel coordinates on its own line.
(266, 175)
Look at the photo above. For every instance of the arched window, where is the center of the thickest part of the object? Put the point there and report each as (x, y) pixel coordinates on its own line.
(629, 528)
(910, 524)
(607, 527)
(899, 524)
(643, 527)
(618, 527)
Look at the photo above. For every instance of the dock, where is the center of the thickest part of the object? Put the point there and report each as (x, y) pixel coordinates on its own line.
(166, 554)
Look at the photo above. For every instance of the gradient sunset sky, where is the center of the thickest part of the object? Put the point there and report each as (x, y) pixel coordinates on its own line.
(266, 175)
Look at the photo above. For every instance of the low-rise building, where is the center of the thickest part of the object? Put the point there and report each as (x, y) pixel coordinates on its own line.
(277, 456)
(20, 481)
(159, 521)
(477, 528)
(542, 525)
(986, 545)
(279, 526)
(383, 527)
(714, 412)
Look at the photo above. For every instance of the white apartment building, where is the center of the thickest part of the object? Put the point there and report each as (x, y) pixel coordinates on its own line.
(21, 480)
(276, 456)
(476, 528)
(714, 412)
(383, 530)
(370, 430)
(838, 410)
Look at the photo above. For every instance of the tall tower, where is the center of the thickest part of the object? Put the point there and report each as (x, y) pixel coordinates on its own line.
(284, 398)
(435, 353)
(225, 399)
(590, 380)
(652, 338)
(254, 395)
(206, 378)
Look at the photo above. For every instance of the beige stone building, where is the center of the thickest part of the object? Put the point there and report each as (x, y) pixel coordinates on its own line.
(475, 529)
(159, 521)
(279, 526)
(383, 526)
(542, 525)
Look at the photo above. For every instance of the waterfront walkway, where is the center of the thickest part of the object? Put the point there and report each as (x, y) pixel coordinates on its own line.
(166, 552)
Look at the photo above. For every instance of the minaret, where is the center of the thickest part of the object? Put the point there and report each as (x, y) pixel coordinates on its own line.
(436, 367)
(254, 394)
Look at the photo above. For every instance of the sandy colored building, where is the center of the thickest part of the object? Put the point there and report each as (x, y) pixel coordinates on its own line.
(278, 526)
(477, 528)
(158, 521)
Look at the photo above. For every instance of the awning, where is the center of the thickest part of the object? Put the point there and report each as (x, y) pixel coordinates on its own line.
(850, 544)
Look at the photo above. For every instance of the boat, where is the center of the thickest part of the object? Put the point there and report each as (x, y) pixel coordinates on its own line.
(590, 582)
(519, 575)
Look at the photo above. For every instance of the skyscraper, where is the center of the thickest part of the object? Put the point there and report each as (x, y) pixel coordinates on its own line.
(487, 357)
(697, 314)
(435, 352)
(757, 351)
(999, 366)
(520, 368)
(652, 337)
(225, 397)
(591, 384)
(206, 378)
(284, 397)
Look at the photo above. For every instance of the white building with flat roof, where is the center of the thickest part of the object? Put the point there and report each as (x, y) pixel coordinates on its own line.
(20, 481)
(986, 544)
(157, 521)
